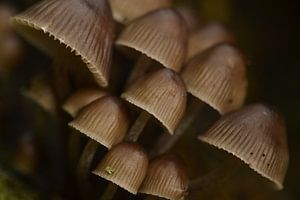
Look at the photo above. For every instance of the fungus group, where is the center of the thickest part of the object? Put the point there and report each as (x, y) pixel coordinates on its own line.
(183, 63)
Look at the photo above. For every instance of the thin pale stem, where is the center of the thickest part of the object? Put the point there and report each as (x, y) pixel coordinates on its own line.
(84, 166)
(140, 68)
(138, 126)
(109, 192)
(166, 141)
(216, 177)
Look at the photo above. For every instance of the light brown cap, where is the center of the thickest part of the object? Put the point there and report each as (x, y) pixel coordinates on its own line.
(162, 94)
(190, 17)
(166, 177)
(86, 26)
(125, 165)
(161, 35)
(105, 120)
(218, 77)
(257, 135)
(40, 91)
(82, 98)
(206, 37)
(127, 10)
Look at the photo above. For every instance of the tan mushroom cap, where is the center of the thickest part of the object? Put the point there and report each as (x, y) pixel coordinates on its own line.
(162, 94)
(191, 19)
(82, 98)
(125, 165)
(160, 35)
(40, 91)
(86, 26)
(127, 10)
(206, 37)
(105, 120)
(257, 135)
(218, 77)
(166, 177)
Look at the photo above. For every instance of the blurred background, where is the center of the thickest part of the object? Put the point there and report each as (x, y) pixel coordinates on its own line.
(267, 31)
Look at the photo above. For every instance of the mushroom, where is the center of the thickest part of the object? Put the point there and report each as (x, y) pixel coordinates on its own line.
(217, 77)
(190, 17)
(124, 165)
(86, 27)
(255, 134)
(166, 177)
(160, 36)
(125, 11)
(161, 94)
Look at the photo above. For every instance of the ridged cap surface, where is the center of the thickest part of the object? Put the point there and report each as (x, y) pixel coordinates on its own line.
(162, 94)
(82, 98)
(256, 135)
(125, 165)
(218, 77)
(206, 37)
(105, 120)
(127, 10)
(166, 177)
(86, 26)
(161, 35)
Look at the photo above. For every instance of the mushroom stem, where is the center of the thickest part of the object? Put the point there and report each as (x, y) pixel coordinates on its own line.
(138, 126)
(166, 141)
(74, 144)
(216, 177)
(140, 67)
(109, 192)
(84, 165)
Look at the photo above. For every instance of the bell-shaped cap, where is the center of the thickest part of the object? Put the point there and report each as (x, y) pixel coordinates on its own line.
(41, 92)
(257, 135)
(162, 94)
(85, 26)
(125, 165)
(105, 120)
(191, 19)
(82, 98)
(127, 10)
(160, 35)
(218, 77)
(167, 178)
(207, 37)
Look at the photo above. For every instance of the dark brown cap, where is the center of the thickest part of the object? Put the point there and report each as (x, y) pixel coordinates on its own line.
(105, 120)
(166, 177)
(161, 35)
(162, 94)
(218, 77)
(125, 165)
(257, 135)
(127, 10)
(82, 98)
(206, 37)
(85, 26)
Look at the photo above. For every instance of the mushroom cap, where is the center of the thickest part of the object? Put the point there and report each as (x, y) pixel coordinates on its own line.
(85, 26)
(218, 77)
(82, 98)
(127, 10)
(206, 37)
(160, 35)
(257, 135)
(125, 165)
(162, 94)
(191, 19)
(105, 120)
(166, 177)
(40, 91)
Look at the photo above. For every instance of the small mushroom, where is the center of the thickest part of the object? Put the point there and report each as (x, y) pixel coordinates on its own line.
(124, 165)
(255, 134)
(125, 11)
(82, 98)
(207, 37)
(166, 177)
(190, 17)
(161, 94)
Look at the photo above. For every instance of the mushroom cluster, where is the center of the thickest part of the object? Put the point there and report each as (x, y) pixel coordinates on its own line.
(182, 64)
